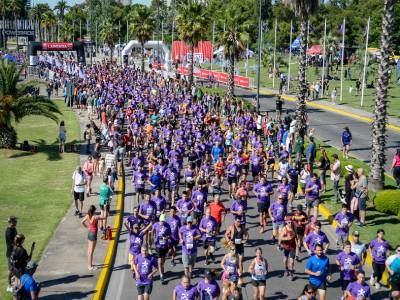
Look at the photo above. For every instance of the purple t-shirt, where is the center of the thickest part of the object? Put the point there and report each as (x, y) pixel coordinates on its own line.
(136, 242)
(132, 220)
(347, 261)
(208, 291)
(313, 239)
(314, 193)
(210, 224)
(198, 200)
(190, 293)
(232, 170)
(139, 179)
(160, 203)
(278, 212)
(189, 244)
(263, 191)
(239, 206)
(163, 232)
(147, 209)
(357, 290)
(185, 206)
(145, 266)
(283, 190)
(255, 163)
(174, 224)
(344, 220)
(379, 250)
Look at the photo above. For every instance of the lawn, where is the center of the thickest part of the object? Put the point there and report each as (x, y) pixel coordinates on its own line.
(36, 187)
(351, 100)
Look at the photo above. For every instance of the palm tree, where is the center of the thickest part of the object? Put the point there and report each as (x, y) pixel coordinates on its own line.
(142, 25)
(16, 103)
(15, 7)
(3, 10)
(378, 157)
(48, 20)
(192, 25)
(332, 46)
(234, 40)
(109, 35)
(61, 8)
(303, 9)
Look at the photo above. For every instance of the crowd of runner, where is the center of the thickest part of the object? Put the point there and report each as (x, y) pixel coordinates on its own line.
(198, 163)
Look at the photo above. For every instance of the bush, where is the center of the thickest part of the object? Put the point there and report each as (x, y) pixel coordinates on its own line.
(388, 202)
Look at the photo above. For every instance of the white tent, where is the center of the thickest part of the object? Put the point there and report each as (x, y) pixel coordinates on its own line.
(150, 44)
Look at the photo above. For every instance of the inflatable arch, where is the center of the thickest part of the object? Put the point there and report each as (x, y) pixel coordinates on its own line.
(150, 44)
(34, 47)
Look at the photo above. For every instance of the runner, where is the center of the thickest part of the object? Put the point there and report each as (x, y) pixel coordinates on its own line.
(139, 179)
(230, 266)
(318, 269)
(144, 268)
(162, 234)
(185, 290)
(136, 238)
(188, 236)
(344, 220)
(393, 268)
(174, 223)
(348, 263)
(347, 140)
(277, 213)
(218, 211)
(208, 287)
(312, 190)
(358, 289)
(258, 269)
(379, 249)
(208, 229)
(300, 221)
(316, 237)
(287, 239)
(78, 190)
(263, 191)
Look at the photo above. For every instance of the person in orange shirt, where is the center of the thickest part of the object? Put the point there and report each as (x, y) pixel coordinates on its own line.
(246, 161)
(220, 169)
(217, 211)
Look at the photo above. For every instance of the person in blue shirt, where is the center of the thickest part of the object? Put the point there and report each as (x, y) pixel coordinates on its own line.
(217, 151)
(346, 141)
(319, 270)
(311, 152)
(31, 288)
(155, 181)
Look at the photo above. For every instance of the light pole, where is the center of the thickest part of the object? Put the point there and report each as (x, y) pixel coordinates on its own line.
(158, 32)
(259, 58)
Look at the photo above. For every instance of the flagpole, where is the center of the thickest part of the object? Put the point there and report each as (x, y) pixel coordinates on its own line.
(162, 31)
(212, 45)
(365, 64)
(259, 57)
(323, 60)
(127, 31)
(96, 39)
(341, 71)
(247, 60)
(273, 70)
(80, 28)
(172, 39)
(290, 56)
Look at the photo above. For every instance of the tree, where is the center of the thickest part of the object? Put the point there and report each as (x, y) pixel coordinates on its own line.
(142, 25)
(303, 9)
(378, 157)
(16, 103)
(109, 35)
(48, 21)
(61, 8)
(192, 25)
(233, 40)
(15, 8)
(3, 10)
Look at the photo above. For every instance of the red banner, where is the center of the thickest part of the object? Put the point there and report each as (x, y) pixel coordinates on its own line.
(48, 46)
(241, 81)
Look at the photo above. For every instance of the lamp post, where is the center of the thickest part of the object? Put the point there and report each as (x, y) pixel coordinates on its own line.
(259, 57)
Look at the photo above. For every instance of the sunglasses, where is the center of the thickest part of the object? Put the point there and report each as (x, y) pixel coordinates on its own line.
(398, 250)
(310, 292)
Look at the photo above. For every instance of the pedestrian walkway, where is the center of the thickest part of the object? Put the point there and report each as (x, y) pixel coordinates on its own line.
(63, 271)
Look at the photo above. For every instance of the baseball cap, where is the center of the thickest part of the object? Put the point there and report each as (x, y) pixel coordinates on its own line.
(31, 265)
(356, 233)
(189, 219)
(207, 273)
(163, 218)
(299, 207)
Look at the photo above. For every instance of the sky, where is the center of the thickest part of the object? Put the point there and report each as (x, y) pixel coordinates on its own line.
(52, 3)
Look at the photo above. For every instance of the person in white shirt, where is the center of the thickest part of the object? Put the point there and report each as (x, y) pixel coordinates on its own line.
(78, 189)
(336, 169)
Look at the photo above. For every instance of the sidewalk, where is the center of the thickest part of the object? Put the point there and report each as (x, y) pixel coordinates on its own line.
(62, 271)
(393, 123)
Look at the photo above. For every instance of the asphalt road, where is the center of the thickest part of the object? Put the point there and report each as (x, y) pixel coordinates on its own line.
(329, 126)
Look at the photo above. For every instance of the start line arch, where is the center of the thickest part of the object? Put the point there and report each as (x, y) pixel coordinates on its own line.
(148, 45)
(34, 47)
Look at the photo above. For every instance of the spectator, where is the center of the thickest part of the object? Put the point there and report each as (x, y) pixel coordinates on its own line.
(11, 233)
(396, 168)
(30, 286)
(361, 193)
(336, 170)
(393, 267)
(347, 184)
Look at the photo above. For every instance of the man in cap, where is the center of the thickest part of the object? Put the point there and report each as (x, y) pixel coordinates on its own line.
(358, 247)
(10, 235)
(208, 287)
(188, 236)
(347, 184)
(29, 284)
(144, 268)
(162, 234)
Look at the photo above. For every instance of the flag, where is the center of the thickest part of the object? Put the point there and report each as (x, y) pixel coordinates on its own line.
(341, 28)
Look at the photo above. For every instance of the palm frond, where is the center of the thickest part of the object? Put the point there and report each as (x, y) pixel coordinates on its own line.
(38, 105)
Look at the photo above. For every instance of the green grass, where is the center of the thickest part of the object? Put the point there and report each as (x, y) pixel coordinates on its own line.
(351, 100)
(374, 219)
(36, 187)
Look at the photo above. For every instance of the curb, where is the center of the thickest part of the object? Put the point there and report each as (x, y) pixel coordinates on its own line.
(335, 110)
(368, 260)
(104, 276)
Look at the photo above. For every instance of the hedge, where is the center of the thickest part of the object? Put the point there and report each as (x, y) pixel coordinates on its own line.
(388, 202)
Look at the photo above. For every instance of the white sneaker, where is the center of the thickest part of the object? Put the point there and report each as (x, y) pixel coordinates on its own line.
(372, 281)
(9, 289)
(377, 286)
